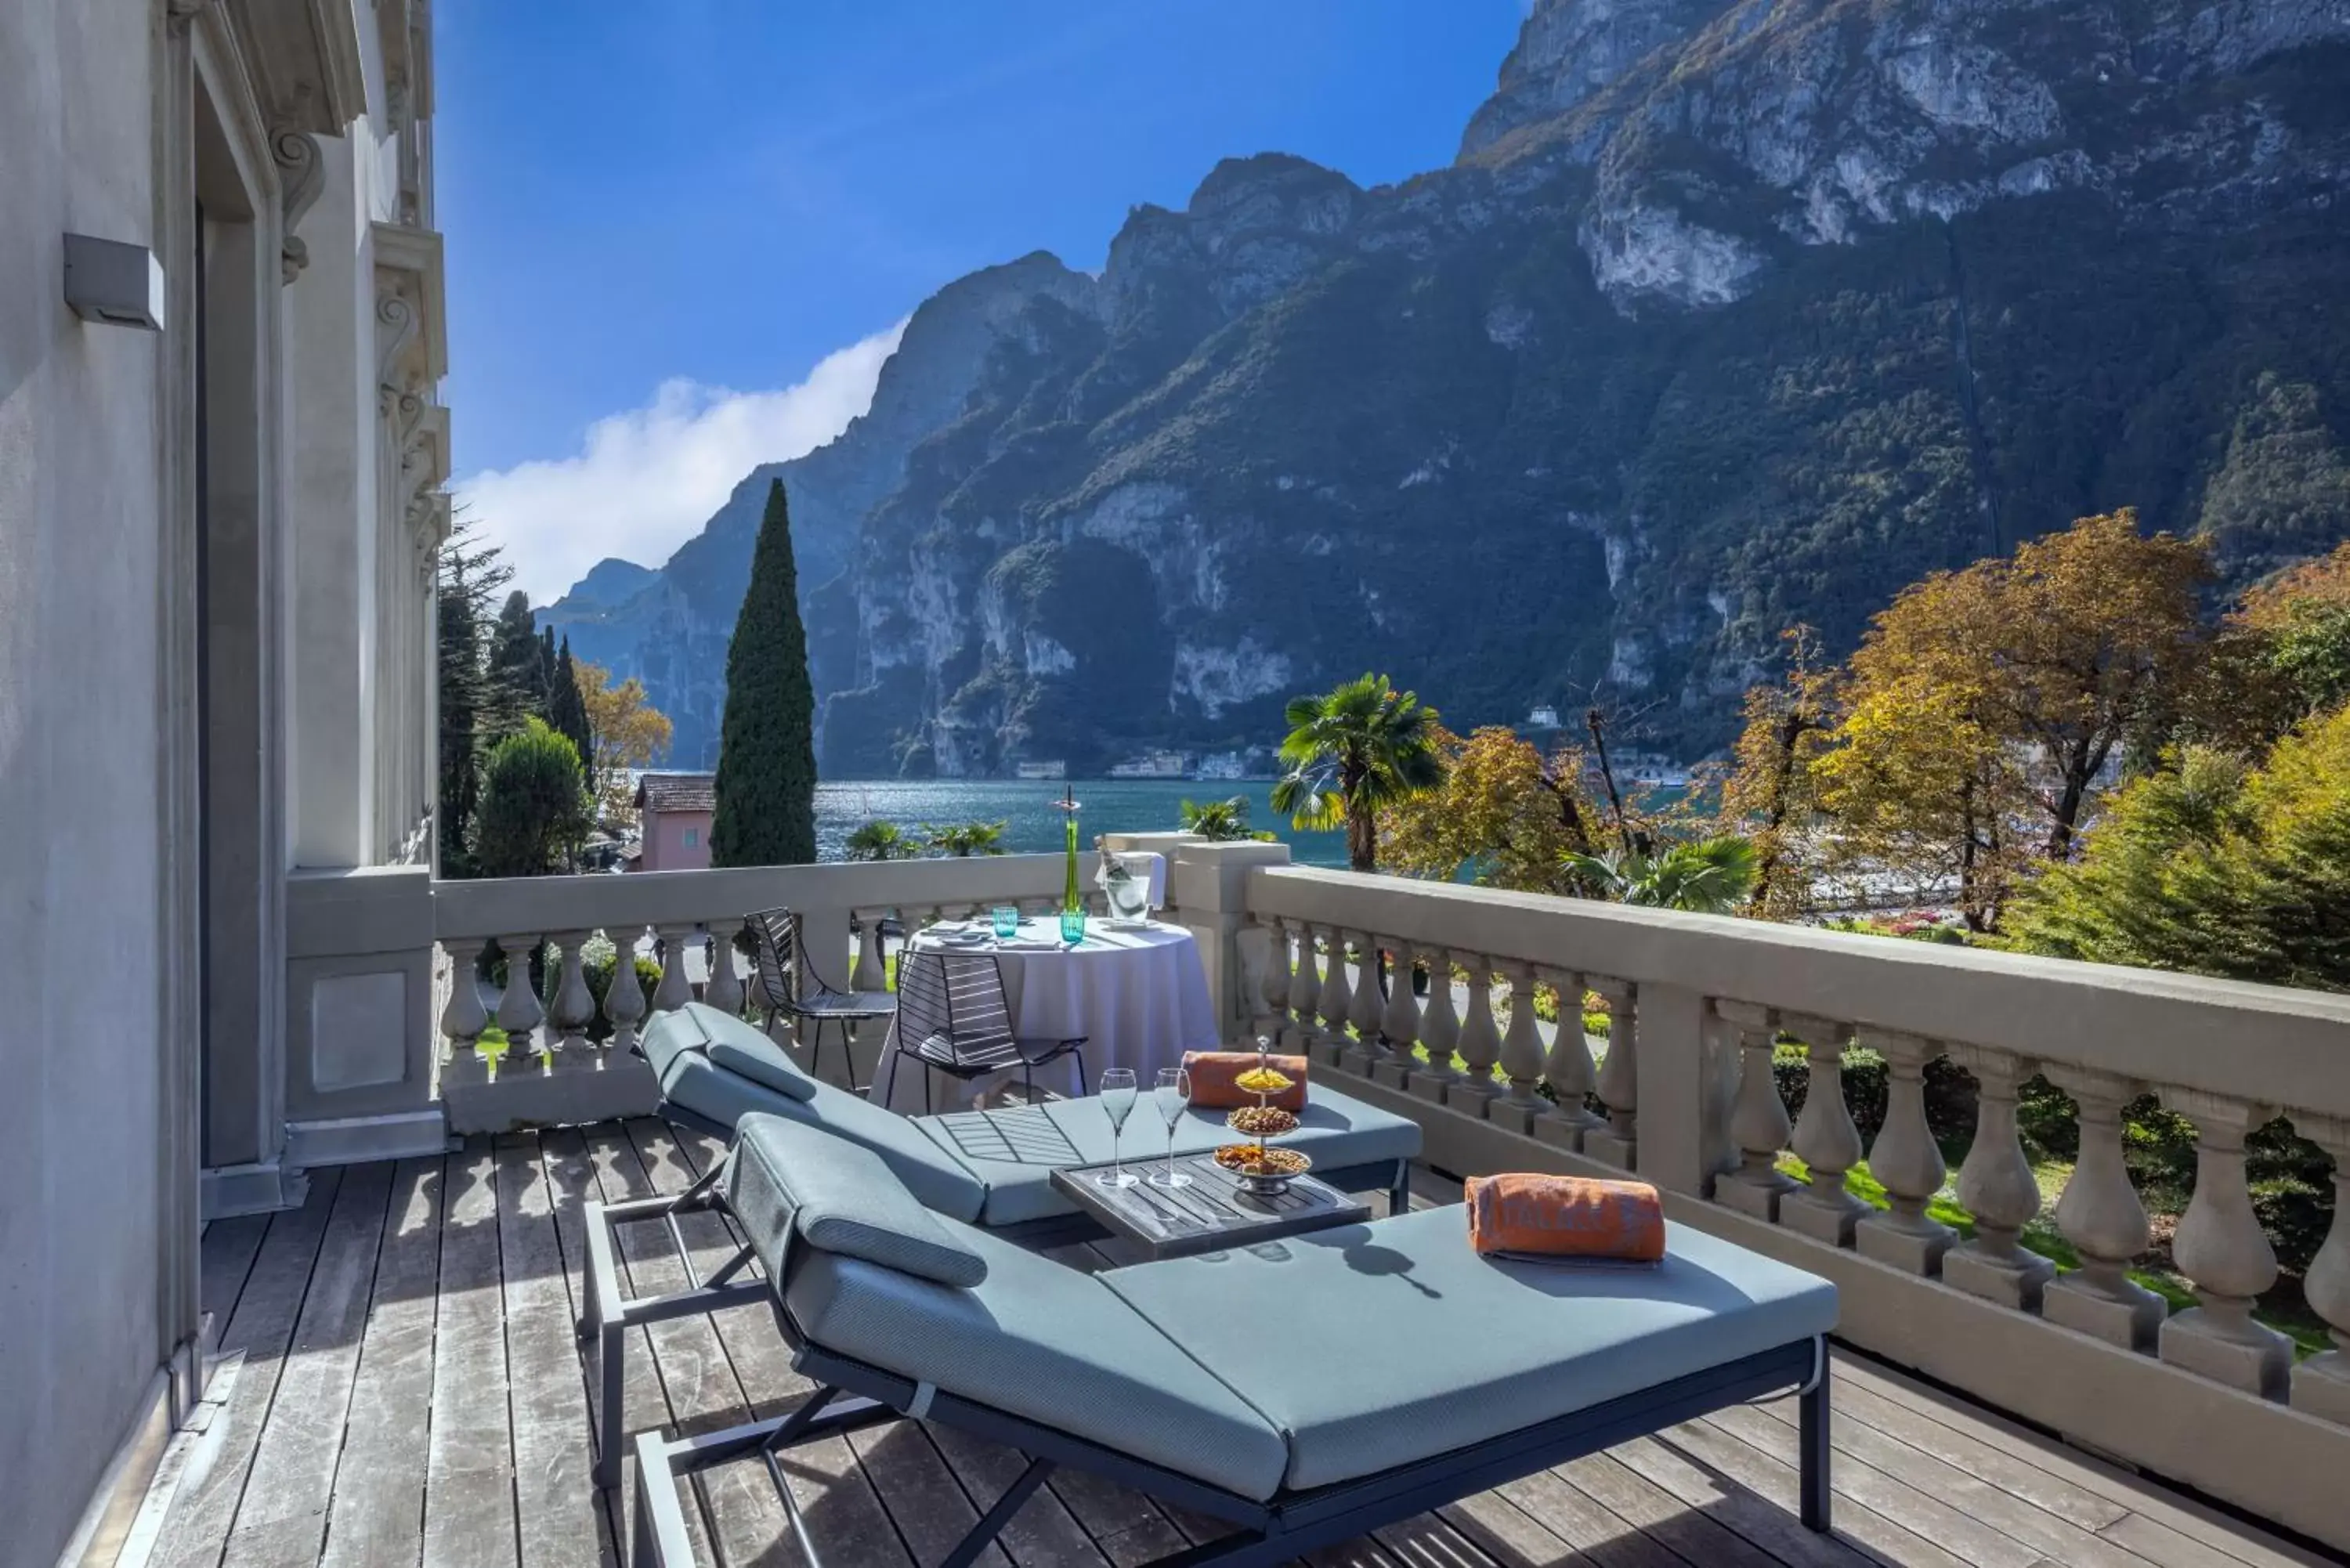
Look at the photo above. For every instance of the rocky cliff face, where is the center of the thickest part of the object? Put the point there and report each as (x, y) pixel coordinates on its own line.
(1728, 316)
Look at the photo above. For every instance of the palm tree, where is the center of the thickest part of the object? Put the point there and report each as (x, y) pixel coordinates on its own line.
(881, 841)
(965, 838)
(1220, 820)
(1712, 877)
(1351, 751)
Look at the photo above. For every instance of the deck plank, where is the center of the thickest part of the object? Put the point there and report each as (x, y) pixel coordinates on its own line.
(1756, 1477)
(282, 1520)
(2224, 1539)
(377, 1515)
(1690, 1532)
(1595, 1534)
(558, 1521)
(1510, 1535)
(258, 1331)
(226, 1251)
(416, 1321)
(469, 1494)
(740, 1366)
(1044, 1533)
(638, 1254)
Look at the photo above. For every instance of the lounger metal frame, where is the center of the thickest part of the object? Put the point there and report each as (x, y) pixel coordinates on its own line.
(852, 1394)
(612, 1312)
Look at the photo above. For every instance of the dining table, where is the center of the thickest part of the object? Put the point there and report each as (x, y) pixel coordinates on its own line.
(1137, 991)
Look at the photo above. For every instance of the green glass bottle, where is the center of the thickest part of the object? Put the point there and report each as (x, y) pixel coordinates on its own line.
(1072, 902)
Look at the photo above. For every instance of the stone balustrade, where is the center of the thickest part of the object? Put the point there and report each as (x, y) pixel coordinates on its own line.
(1423, 998)
(1707, 1014)
(566, 1054)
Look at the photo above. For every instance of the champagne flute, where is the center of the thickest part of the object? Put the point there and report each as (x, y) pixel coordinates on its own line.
(1117, 1094)
(1173, 1092)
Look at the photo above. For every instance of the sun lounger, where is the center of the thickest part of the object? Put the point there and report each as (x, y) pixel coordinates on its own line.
(1190, 1380)
(992, 1168)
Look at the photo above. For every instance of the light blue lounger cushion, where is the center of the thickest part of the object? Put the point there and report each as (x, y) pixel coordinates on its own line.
(677, 1044)
(1493, 1347)
(1014, 1151)
(1042, 1340)
(785, 1176)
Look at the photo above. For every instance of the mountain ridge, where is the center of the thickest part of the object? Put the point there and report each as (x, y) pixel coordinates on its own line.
(1725, 317)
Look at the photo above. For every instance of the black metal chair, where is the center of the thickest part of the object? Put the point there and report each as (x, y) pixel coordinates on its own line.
(952, 1014)
(776, 987)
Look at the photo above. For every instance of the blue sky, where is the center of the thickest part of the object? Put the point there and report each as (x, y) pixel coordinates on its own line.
(680, 233)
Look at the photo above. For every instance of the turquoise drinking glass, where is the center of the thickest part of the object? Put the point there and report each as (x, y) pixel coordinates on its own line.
(1007, 921)
(1072, 926)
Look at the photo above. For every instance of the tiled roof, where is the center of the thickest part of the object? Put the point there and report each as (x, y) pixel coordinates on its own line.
(678, 791)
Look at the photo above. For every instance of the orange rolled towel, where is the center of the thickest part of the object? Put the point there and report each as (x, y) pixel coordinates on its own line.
(1565, 1217)
(1214, 1073)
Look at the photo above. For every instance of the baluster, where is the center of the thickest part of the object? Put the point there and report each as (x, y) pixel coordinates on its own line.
(461, 1017)
(1480, 1043)
(1252, 955)
(1275, 981)
(624, 997)
(1758, 1120)
(1997, 1186)
(1335, 1000)
(1568, 1122)
(1399, 1019)
(676, 989)
(574, 1010)
(1519, 1107)
(871, 969)
(1906, 1161)
(1618, 1143)
(724, 989)
(2101, 1216)
(519, 1014)
(2321, 1385)
(1825, 1140)
(2221, 1248)
(1304, 988)
(1365, 1009)
(1440, 1030)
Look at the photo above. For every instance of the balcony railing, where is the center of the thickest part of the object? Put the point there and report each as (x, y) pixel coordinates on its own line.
(1680, 1089)
(2208, 1395)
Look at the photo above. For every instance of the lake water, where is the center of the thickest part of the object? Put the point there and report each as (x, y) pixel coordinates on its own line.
(1031, 807)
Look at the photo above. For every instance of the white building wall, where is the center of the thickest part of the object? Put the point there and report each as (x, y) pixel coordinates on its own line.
(115, 119)
(82, 859)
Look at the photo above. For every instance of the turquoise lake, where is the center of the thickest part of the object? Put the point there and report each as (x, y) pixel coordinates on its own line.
(1031, 807)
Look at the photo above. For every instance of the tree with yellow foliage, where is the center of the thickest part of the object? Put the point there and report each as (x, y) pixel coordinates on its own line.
(1503, 814)
(628, 732)
(1771, 793)
(1983, 704)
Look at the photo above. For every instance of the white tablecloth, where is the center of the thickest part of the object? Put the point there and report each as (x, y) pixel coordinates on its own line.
(1138, 996)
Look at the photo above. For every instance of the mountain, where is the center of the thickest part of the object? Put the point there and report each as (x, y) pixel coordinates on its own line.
(1727, 316)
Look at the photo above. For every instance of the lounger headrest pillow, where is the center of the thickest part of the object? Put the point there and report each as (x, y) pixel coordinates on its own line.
(744, 1049)
(788, 1180)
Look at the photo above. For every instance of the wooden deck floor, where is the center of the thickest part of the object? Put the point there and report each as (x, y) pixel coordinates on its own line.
(402, 1387)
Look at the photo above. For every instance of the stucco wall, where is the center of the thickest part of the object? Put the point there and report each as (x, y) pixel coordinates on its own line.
(665, 848)
(80, 1194)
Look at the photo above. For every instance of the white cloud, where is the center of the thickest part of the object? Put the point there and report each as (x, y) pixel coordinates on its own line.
(645, 481)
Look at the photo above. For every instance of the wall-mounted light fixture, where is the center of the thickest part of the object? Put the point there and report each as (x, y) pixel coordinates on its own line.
(114, 282)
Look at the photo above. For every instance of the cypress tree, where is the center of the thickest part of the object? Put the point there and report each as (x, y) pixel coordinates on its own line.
(518, 666)
(767, 751)
(566, 711)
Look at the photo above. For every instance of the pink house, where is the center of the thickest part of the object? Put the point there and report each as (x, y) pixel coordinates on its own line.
(677, 809)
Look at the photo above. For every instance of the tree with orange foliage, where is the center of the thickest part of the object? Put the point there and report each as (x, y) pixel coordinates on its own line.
(1983, 704)
(1504, 814)
(628, 732)
(1771, 793)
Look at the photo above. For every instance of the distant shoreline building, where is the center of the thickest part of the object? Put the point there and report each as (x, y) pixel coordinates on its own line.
(1055, 769)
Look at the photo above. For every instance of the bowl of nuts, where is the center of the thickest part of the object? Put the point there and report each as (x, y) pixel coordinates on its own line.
(1264, 1171)
(1261, 1121)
